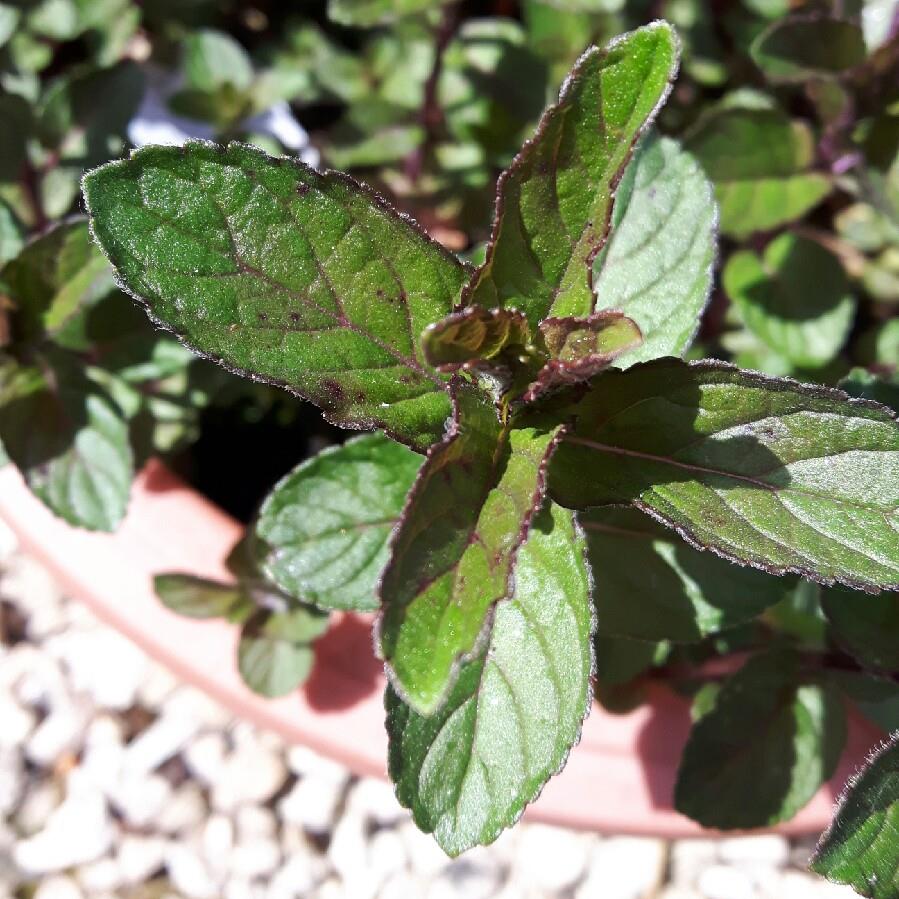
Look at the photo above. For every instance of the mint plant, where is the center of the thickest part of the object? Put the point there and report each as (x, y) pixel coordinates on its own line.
(536, 416)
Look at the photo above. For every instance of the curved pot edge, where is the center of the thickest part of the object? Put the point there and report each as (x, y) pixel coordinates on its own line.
(619, 779)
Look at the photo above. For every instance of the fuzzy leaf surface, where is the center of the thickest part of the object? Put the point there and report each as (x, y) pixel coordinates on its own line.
(860, 846)
(69, 440)
(760, 163)
(795, 298)
(657, 265)
(453, 554)
(305, 280)
(554, 203)
(323, 529)
(762, 751)
(515, 711)
(651, 585)
(767, 472)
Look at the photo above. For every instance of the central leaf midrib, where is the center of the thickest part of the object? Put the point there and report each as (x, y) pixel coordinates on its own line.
(243, 267)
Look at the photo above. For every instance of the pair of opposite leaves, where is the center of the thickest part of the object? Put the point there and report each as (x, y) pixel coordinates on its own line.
(310, 281)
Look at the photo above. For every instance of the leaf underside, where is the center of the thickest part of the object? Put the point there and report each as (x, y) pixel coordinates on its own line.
(453, 553)
(657, 265)
(554, 203)
(778, 475)
(468, 770)
(305, 280)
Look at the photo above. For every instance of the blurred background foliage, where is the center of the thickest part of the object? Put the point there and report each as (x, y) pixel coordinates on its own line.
(791, 108)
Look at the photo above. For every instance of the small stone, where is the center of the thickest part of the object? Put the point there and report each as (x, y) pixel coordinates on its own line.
(32, 676)
(77, 832)
(242, 889)
(60, 732)
(184, 811)
(157, 685)
(403, 885)
(194, 705)
(800, 885)
(103, 755)
(298, 877)
(689, 858)
(386, 854)
(12, 780)
(165, 737)
(466, 878)
(251, 774)
(38, 803)
(426, 857)
(58, 887)
(768, 848)
(257, 858)
(550, 858)
(101, 663)
(139, 857)
(348, 851)
(205, 757)
(217, 841)
(188, 873)
(140, 799)
(306, 763)
(376, 800)
(101, 876)
(36, 594)
(253, 821)
(16, 723)
(313, 803)
(723, 882)
(624, 868)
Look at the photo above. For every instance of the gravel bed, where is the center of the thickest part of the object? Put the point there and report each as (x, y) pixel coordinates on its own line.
(117, 781)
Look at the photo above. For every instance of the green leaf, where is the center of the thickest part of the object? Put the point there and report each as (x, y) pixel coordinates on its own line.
(865, 625)
(860, 846)
(368, 13)
(68, 439)
(760, 163)
(323, 529)
(555, 201)
(15, 114)
(299, 279)
(12, 234)
(657, 265)
(516, 709)
(452, 556)
(55, 277)
(213, 59)
(579, 348)
(807, 46)
(274, 655)
(778, 475)
(795, 298)
(473, 336)
(197, 597)
(651, 585)
(764, 749)
(621, 659)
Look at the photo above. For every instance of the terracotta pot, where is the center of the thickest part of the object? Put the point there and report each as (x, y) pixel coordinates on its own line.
(619, 779)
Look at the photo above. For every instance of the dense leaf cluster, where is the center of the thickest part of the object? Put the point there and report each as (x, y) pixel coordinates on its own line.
(543, 458)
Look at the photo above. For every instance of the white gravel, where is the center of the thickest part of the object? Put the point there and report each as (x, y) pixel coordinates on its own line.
(116, 781)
